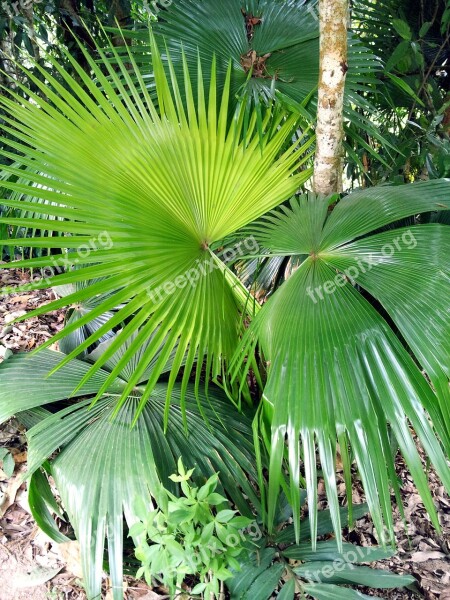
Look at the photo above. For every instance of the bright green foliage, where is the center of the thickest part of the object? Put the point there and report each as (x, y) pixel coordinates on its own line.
(144, 194)
(144, 184)
(338, 372)
(273, 46)
(104, 463)
(196, 534)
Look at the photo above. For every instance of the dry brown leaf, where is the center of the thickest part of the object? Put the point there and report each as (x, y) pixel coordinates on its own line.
(19, 457)
(19, 299)
(12, 488)
(420, 557)
(71, 555)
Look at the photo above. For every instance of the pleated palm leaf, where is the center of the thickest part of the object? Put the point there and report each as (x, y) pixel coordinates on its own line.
(70, 342)
(160, 187)
(273, 46)
(336, 336)
(32, 212)
(104, 465)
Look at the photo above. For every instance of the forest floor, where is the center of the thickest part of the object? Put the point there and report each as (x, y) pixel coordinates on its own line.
(32, 567)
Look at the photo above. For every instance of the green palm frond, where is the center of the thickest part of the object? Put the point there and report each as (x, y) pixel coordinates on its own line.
(144, 194)
(105, 465)
(274, 51)
(71, 342)
(32, 212)
(339, 373)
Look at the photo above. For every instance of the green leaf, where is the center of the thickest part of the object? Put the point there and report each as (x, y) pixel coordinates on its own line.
(287, 592)
(341, 572)
(15, 375)
(402, 51)
(250, 570)
(199, 588)
(402, 28)
(224, 516)
(110, 463)
(425, 29)
(265, 584)
(329, 550)
(160, 268)
(40, 500)
(323, 591)
(8, 463)
(338, 372)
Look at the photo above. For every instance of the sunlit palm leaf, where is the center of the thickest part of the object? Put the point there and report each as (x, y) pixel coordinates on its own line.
(275, 53)
(105, 464)
(338, 372)
(144, 194)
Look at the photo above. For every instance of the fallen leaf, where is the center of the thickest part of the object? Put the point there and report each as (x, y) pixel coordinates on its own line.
(71, 554)
(19, 299)
(38, 576)
(19, 457)
(10, 494)
(420, 557)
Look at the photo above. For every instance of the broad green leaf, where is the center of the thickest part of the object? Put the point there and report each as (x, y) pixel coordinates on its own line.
(342, 572)
(265, 584)
(323, 591)
(41, 500)
(159, 268)
(338, 372)
(105, 463)
(107, 481)
(287, 592)
(364, 211)
(15, 377)
(259, 562)
(330, 551)
(402, 28)
(401, 52)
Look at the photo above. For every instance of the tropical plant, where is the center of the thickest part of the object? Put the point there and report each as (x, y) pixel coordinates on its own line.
(168, 276)
(196, 534)
(104, 464)
(348, 353)
(273, 47)
(412, 105)
(334, 337)
(278, 562)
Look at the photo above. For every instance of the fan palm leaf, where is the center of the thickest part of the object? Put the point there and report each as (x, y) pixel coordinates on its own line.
(338, 371)
(104, 465)
(274, 51)
(144, 193)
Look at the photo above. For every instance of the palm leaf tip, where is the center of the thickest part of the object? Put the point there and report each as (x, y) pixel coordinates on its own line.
(182, 167)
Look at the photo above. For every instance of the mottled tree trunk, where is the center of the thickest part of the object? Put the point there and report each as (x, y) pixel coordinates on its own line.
(328, 165)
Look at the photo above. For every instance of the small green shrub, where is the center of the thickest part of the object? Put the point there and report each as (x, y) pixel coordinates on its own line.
(195, 534)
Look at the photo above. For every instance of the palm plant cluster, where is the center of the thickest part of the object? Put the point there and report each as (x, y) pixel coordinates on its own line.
(220, 312)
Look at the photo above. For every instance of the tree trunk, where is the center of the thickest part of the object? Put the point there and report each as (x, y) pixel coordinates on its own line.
(328, 165)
